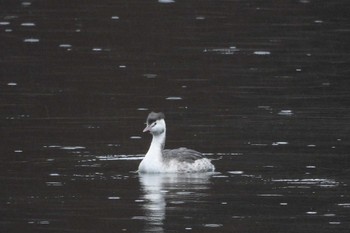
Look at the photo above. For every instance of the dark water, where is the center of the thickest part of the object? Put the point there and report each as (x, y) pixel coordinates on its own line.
(262, 84)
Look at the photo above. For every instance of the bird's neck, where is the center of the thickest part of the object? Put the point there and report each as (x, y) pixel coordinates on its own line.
(157, 145)
(158, 141)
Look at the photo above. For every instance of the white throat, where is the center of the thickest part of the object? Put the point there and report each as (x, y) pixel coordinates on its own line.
(153, 161)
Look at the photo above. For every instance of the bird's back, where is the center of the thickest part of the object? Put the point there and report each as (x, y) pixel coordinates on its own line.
(182, 154)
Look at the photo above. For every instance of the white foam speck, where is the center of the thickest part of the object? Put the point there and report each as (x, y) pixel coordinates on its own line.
(122, 66)
(270, 195)
(279, 143)
(72, 148)
(4, 23)
(329, 215)
(212, 225)
(283, 204)
(311, 212)
(12, 84)
(258, 144)
(135, 137)
(55, 184)
(44, 222)
(166, 1)
(236, 172)
(18, 151)
(265, 107)
(119, 157)
(220, 176)
(174, 98)
(31, 40)
(139, 217)
(334, 223)
(114, 17)
(285, 113)
(200, 18)
(96, 49)
(8, 30)
(188, 228)
(262, 53)
(65, 45)
(346, 205)
(54, 174)
(28, 24)
(26, 3)
(142, 109)
(224, 51)
(150, 75)
(311, 167)
(113, 198)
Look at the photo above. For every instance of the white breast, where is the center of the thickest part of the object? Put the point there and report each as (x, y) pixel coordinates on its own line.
(152, 163)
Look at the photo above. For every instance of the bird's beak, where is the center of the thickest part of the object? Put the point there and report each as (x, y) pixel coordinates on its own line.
(148, 128)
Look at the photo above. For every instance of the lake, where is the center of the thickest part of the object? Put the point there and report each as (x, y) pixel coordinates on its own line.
(260, 87)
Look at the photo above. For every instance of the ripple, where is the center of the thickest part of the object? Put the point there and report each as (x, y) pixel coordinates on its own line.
(166, 1)
(285, 113)
(28, 24)
(54, 174)
(345, 205)
(174, 98)
(311, 212)
(334, 223)
(269, 195)
(262, 53)
(119, 157)
(31, 40)
(224, 51)
(213, 225)
(97, 49)
(279, 143)
(4, 23)
(65, 46)
(26, 4)
(236, 172)
(54, 184)
(142, 109)
(318, 182)
(150, 75)
(73, 148)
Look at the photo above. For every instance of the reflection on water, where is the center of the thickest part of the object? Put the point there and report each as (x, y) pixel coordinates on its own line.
(174, 189)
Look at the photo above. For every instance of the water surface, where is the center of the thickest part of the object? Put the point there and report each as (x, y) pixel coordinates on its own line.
(260, 86)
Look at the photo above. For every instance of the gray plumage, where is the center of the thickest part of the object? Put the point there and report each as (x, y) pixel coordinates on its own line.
(182, 154)
(153, 116)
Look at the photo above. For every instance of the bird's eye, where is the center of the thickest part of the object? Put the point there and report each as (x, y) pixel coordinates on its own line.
(150, 122)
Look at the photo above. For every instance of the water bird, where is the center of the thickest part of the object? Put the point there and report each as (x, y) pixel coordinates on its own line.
(159, 160)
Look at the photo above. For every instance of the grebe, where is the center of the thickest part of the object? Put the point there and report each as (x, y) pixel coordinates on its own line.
(158, 160)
